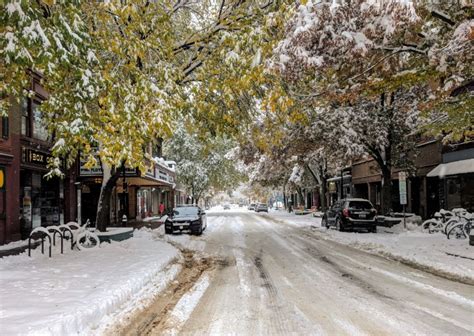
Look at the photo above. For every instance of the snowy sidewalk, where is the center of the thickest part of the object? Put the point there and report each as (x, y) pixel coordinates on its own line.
(435, 253)
(76, 292)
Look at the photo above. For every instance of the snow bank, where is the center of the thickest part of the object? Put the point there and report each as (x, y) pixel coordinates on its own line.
(13, 245)
(450, 258)
(72, 293)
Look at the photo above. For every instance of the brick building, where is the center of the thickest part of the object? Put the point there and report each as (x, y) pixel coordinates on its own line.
(443, 178)
(28, 199)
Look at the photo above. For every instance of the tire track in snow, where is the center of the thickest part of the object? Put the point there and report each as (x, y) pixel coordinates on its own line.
(185, 306)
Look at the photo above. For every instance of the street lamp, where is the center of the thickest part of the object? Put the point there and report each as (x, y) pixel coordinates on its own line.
(79, 201)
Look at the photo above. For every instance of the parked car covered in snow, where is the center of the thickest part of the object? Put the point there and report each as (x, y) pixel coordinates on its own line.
(252, 206)
(186, 218)
(351, 213)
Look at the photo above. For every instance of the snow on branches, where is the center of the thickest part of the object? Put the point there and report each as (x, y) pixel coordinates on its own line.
(336, 52)
(321, 31)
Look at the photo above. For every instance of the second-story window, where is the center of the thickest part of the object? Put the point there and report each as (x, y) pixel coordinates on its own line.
(32, 120)
(25, 118)
(40, 130)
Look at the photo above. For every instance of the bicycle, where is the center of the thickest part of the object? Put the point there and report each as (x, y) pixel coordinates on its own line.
(438, 223)
(462, 229)
(458, 216)
(85, 239)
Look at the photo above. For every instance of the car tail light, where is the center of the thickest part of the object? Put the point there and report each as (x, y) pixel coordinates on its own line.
(345, 212)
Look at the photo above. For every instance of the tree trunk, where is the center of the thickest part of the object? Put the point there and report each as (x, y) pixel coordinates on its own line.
(321, 179)
(386, 164)
(285, 205)
(322, 193)
(386, 190)
(300, 194)
(111, 175)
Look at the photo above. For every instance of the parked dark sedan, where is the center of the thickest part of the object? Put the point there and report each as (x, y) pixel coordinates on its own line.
(351, 213)
(186, 218)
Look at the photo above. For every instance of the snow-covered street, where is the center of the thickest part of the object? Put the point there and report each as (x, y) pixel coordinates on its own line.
(264, 276)
(248, 274)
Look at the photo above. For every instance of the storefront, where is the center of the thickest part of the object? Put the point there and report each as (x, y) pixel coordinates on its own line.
(123, 198)
(145, 202)
(41, 198)
(455, 180)
(135, 196)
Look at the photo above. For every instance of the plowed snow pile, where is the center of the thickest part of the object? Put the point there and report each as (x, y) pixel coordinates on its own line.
(71, 293)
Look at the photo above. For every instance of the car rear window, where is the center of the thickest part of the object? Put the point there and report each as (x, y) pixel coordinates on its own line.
(360, 205)
(185, 211)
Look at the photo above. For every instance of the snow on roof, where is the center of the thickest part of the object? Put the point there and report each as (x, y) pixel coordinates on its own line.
(165, 164)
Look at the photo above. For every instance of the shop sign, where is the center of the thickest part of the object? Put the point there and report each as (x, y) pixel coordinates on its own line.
(96, 170)
(161, 175)
(2, 178)
(150, 172)
(34, 156)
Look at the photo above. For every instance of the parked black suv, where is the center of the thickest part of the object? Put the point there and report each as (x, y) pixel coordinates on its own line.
(351, 213)
(186, 218)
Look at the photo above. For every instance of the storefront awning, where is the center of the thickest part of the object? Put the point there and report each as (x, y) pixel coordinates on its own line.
(453, 168)
(146, 181)
(337, 178)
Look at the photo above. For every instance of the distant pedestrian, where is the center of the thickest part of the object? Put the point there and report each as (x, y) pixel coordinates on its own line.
(290, 206)
(162, 209)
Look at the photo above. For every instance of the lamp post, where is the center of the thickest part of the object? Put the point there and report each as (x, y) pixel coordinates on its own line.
(124, 202)
(79, 201)
(342, 185)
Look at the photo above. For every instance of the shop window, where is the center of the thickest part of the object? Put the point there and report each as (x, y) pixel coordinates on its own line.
(39, 201)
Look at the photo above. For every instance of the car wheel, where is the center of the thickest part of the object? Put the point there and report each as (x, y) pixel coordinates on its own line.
(339, 225)
(374, 229)
(199, 232)
(168, 231)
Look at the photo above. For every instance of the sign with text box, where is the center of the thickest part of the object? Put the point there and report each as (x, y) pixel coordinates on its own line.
(402, 186)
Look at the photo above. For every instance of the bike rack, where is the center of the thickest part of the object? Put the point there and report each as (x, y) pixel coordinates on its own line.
(55, 230)
(44, 233)
(65, 229)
